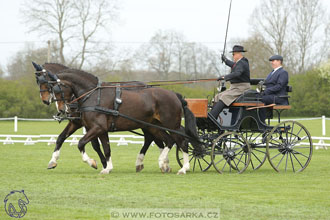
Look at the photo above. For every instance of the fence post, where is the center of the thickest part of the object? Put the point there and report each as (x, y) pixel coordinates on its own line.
(322, 142)
(15, 124)
(323, 125)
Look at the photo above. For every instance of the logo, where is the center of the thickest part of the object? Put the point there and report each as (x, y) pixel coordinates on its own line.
(15, 204)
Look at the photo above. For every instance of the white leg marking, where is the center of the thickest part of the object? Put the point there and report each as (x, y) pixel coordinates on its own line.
(139, 160)
(186, 165)
(109, 167)
(53, 162)
(55, 156)
(162, 160)
(86, 159)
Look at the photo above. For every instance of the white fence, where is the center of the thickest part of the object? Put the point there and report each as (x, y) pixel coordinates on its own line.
(318, 142)
(73, 139)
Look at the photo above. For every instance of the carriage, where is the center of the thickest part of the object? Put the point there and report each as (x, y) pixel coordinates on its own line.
(240, 139)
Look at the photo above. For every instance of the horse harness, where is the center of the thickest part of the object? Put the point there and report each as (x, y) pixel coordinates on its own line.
(114, 112)
(116, 103)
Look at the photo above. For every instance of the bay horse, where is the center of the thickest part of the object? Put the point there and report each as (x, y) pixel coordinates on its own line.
(75, 122)
(148, 137)
(152, 105)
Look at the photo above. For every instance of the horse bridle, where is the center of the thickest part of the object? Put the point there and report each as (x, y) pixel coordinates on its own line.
(41, 79)
(54, 86)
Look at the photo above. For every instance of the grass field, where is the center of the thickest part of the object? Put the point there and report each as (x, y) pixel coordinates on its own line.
(75, 191)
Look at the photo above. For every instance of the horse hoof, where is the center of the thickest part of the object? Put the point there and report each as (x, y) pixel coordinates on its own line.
(94, 164)
(181, 172)
(105, 171)
(139, 168)
(166, 169)
(52, 165)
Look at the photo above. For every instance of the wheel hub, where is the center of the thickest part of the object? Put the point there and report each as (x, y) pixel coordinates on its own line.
(229, 155)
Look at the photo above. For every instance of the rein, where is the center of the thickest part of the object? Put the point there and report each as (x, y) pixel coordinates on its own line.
(160, 83)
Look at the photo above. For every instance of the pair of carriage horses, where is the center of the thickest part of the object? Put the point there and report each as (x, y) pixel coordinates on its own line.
(123, 106)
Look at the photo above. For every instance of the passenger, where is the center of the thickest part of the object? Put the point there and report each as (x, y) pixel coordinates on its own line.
(239, 82)
(276, 84)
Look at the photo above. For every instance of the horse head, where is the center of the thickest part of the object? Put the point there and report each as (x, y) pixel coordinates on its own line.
(63, 94)
(45, 79)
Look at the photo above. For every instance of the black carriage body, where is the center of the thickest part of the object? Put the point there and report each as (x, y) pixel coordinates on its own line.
(237, 117)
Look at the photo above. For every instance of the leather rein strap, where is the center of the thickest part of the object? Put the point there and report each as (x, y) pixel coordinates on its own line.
(159, 83)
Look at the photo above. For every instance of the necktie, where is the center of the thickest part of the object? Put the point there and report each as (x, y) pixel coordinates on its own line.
(233, 66)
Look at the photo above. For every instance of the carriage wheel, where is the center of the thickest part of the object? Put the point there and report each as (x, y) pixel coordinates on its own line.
(258, 148)
(230, 153)
(199, 160)
(289, 146)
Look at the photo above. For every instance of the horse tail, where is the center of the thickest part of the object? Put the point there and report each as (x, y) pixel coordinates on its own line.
(189, 119)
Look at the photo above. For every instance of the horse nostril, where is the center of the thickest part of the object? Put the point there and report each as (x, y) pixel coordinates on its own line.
(45, 102)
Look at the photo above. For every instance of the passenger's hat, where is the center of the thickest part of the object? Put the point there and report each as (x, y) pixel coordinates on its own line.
(238, 48)
(276, 57)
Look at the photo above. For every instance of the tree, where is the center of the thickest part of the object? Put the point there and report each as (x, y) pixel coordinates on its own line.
(308, 15)
(169, 52)
(73, 23)
(160, 52)
(258, 55)
(271, 21)
(1, 72)
(291, 29)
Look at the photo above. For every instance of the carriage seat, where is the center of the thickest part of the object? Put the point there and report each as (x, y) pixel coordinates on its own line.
(249, 98)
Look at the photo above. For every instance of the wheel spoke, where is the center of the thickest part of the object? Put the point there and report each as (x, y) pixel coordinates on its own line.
(229, 163)
(292, 131)
(276, 141)
(280, 161)
(224, 166)
(240, 159)
(298, 161)
(194, 163)
(294, 143)
(297, 134)
(286, 162)
(200, 166)
(300, 153)
(292, 163)
(219, 161)
(264, 152)
(206, 161)
(275, 156)
(236, 165)
(256, 157)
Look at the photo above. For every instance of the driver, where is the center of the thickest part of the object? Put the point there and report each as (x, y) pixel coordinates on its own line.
(239, 82)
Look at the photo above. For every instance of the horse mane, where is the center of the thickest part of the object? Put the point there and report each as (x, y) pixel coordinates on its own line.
(65, 69)
(78, 72)
(57, 64)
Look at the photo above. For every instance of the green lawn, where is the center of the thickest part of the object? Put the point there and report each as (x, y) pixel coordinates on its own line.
(75, 191)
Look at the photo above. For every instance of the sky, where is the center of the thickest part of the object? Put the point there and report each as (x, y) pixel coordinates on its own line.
(201, 21)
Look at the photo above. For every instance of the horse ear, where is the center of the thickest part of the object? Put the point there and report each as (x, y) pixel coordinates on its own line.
(36, 66)
(52, 76)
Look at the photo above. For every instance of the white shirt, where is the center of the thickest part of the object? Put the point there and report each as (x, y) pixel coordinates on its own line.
(276, 69)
